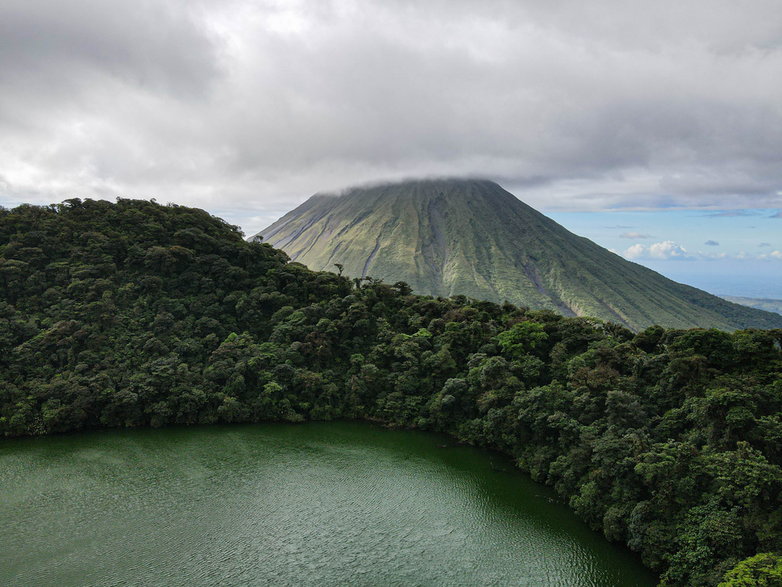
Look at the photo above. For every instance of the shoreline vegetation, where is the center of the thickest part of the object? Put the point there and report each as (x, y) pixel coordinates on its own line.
(134, 314)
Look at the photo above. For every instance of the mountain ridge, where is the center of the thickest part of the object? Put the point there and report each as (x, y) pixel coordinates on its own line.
(470, 236)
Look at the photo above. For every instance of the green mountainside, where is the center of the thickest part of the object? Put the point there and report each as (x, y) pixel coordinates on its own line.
(136, 314)
(471, 237)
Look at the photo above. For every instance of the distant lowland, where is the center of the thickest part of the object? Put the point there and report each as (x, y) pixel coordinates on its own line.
(471, 237)
(767, 304)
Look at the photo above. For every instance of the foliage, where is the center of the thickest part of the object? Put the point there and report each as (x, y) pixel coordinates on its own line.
(135, 314)
(761, 570)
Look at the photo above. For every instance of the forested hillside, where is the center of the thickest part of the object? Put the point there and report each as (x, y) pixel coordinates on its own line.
(135, 314)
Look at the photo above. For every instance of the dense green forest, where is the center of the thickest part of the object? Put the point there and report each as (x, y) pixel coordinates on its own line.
(136, 314)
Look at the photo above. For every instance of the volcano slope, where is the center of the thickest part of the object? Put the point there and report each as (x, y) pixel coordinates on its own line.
(471, 237)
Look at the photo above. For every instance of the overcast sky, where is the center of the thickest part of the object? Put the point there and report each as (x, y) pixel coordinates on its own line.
(248, 107)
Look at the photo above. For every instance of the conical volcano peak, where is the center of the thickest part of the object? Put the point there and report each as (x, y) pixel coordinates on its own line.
(469, 236)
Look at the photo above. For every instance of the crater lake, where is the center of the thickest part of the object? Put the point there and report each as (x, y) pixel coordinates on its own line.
(284, 504)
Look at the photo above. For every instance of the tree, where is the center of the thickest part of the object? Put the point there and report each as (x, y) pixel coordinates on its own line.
(522, 338)
(761, 570)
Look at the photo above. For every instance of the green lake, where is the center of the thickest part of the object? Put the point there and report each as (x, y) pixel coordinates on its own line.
(274, 504)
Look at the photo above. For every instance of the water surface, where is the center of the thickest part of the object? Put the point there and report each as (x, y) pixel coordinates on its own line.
(313, 504)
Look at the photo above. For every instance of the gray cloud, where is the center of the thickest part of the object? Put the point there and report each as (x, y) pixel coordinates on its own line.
(250, 107)
(711, 243)
(634, 235)
(764, 245)
(141, 41)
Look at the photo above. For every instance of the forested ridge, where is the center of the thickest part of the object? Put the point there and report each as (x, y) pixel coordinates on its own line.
(134, 314)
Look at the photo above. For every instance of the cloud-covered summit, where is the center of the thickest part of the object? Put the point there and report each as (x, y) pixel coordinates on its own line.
(256, 105)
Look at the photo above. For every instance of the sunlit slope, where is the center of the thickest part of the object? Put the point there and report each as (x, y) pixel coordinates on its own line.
(471, 237)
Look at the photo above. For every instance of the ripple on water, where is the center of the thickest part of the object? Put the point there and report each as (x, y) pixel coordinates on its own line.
(286, 505)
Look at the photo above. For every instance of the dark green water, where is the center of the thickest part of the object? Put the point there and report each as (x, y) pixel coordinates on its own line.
(314, 504)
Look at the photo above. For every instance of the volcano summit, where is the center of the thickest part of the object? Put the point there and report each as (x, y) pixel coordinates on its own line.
(464, 236)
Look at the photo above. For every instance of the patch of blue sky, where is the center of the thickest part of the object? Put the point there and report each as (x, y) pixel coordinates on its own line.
(730, 252)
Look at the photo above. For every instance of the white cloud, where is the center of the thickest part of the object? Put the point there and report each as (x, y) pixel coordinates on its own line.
(661, 250)
(636, 251)
(669, 250)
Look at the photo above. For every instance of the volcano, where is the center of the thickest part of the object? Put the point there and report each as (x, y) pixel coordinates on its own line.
(447, 237)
